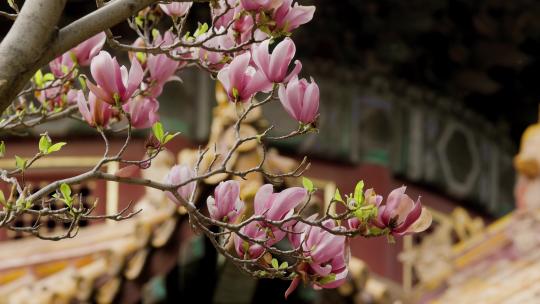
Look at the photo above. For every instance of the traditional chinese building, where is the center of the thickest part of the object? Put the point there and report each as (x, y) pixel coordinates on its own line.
(156, 256)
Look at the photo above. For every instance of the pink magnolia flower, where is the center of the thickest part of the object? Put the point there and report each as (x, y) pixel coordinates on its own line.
(178, 175)
(226, 204)
(56, 96)
(95, 111)
(211, 59)
(402, 215)
(168, 39)
(225, 18)
(82, 54)
(250, 250)
(241, 28)
(162, 69)
(241, 80)
(259, 5)
(143, 111)
(289, 18)
(176, 9)
(88, 49)
(272, 206)
(61, 65)
(278, 206)
(328, 255)
(300, 99)
(276, 65)
(114, 83)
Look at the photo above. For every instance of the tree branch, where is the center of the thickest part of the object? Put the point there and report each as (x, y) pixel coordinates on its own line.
(30, 43)
(25, 44)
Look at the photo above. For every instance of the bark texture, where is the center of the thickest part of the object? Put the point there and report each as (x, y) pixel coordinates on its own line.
(25, 44)
(34, 39)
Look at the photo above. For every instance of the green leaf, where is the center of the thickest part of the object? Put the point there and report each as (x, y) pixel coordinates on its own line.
(283, 265)
(141, 56)
(308, 184)
(56, 147)
(155, 34)
(203, 28)
(2, 198)
(13, 5)
(245, 246)
(65, 189)
(20, 163)
(376, 231)
(38, 78)
(139, 21)
(44, 144)
(275, 264)
(168, 137)
(50, 76)
(327, 279)
(186, 36)
(73, 57)
(2, 148)
(365, 213)
(82, 82)
(337, 196)
(359, 192)
(157, 129)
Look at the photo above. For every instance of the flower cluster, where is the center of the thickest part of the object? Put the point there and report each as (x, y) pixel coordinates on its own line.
(260, 70)
(327, 256)
(237, 49)
(248, 49)
(271, 207)
(400, 215)
(322, 244)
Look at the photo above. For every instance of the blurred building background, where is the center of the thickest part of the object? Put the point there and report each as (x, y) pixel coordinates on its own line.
(431, 94)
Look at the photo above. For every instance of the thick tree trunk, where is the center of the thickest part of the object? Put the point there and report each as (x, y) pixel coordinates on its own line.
(25, 44)
(34, 39)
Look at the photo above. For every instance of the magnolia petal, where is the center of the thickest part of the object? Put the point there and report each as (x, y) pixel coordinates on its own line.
(292, 287)
(392, 202)
(286, 201)
(237, 71)
(295, 71)
(261, 57)
(263, 195)
(83, 108)
(410, 218)
(100, 93)
(422, 223)
(310, 106)
(212, 209)
(135, 78)
(223, 77)
(280, 59)
(103, 71)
